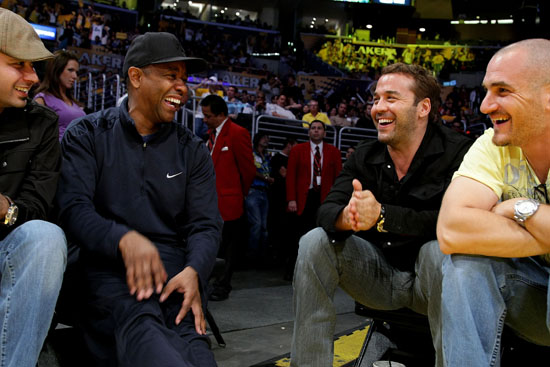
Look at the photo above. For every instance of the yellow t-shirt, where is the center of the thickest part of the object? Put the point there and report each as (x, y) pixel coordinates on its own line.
(308, 117)
(503, 169)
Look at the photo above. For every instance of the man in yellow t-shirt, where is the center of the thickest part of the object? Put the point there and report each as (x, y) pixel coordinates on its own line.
(314, 114)
(494, 221)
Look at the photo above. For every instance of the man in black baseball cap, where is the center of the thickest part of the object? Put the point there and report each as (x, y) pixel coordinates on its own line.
(157, 48)
(32, 250)
(138, 195)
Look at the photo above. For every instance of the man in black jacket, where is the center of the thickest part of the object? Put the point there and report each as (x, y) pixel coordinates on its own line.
(32, 251)
(138, 195)
(378, 221)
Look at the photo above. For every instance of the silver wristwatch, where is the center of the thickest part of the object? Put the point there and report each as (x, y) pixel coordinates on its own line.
(524, 209)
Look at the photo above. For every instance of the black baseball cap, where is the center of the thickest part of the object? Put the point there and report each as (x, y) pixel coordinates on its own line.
(156, 48)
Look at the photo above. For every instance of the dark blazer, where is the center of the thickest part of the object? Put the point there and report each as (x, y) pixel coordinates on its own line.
(298, 176)
(235, 169)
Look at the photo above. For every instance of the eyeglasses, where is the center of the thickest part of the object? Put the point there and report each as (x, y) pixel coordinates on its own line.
(541, 193)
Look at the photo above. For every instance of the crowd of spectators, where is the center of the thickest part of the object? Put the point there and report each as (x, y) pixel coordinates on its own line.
(354, 57)
(223, 18)
(87, 26)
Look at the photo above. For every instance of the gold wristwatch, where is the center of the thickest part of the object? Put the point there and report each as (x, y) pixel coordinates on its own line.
(11, 215)
(381, 219)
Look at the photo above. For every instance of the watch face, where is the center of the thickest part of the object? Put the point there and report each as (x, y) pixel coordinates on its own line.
(526, 207)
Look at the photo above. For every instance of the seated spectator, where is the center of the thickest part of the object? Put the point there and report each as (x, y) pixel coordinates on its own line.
(33, 252)
(147, 225)
(55, 91)
(494, 220)
(278, 109)
(349, 152)
(314, 114)
(377, 243)
(341, 119)
(365, 121)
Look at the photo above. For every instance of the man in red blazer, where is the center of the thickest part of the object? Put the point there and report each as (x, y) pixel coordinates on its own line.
(231, 150)
(309, 179)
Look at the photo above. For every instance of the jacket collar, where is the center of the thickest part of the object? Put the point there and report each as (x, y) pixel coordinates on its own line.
(128, 123)
(432, 144)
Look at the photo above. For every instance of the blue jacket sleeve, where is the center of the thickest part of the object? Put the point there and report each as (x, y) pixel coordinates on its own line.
(77, 214)
(202, 224)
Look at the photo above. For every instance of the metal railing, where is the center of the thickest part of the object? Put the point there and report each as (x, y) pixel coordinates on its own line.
(99, 91)
(351, 136)
(102, 92)
(280, 129)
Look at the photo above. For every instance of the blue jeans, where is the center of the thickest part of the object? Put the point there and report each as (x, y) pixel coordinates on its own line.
(480, 295)
(32, 261)
(257, 206)
(361, 270)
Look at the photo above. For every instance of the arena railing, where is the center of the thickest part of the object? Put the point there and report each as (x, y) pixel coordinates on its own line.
(351, 136)
(280, 129)
(99, 91)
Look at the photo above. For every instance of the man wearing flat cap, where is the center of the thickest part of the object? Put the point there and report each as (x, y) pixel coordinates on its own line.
(137, 194)
(32, 251)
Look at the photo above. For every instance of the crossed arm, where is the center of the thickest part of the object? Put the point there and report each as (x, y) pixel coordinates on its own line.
(472, 221)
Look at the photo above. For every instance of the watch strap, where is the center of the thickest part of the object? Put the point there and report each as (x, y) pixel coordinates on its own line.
(381, 220)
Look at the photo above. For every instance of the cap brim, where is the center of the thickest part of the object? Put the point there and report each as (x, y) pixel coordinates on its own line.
(37, 54)
(193, 65)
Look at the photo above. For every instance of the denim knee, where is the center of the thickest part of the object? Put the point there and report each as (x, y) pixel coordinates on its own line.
(312, 244)
(45, 243)
(431, 250)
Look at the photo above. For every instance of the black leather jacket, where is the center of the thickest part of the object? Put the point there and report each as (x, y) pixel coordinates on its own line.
(30, 160)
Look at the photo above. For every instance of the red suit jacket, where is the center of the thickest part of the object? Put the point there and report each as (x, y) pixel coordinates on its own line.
(235, 169)
(298, 176)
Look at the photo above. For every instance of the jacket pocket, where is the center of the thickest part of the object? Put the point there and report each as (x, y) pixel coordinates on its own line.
(15, 161)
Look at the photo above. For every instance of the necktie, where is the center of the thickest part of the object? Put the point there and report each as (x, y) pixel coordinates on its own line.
(211, 138)
(316, 168)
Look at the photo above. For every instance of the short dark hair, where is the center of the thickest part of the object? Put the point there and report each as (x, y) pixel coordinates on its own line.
(425, 84)
(319, 121)
(289, 141)
(216, 103)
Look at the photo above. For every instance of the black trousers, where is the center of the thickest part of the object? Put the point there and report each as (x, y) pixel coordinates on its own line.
(229, 250)
(303, 223)
(120, 331)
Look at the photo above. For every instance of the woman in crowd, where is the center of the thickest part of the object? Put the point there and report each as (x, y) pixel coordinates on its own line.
(55, 89)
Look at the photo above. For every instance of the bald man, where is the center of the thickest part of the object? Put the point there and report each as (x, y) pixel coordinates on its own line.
(494, 222)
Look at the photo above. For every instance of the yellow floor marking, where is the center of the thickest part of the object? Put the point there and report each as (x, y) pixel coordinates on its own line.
(346, 349)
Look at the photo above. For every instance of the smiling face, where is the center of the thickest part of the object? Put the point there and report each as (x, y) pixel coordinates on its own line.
(395, 112)
(69, 74)
(161, 90)
(16, 78)
(514, 102)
